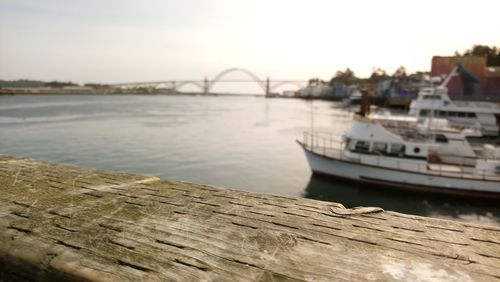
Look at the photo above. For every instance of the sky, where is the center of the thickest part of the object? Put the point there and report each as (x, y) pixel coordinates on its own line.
(115, 41)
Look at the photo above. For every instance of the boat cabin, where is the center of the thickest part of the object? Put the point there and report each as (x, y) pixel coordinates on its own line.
(387, 149)
(372, 138)
(435, 102)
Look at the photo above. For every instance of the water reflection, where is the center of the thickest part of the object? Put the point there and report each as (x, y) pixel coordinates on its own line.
(352, 194)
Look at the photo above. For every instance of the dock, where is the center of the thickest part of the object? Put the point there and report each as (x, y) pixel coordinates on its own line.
(61, 222)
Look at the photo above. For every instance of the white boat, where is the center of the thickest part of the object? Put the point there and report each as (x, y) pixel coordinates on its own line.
(440, 161)
(436, 102)
(353, 99)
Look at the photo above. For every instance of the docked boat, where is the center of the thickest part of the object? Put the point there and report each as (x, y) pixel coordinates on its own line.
(353, 99)
(436, 102)
(438, 160)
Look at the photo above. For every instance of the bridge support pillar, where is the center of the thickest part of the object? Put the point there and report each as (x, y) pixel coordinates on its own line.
(267, 87)
(174, 87)
(206, 86)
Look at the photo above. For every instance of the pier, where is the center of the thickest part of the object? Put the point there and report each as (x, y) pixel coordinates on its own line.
(62, 222)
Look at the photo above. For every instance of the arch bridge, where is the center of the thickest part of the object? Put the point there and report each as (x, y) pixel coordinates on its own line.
(205, 86)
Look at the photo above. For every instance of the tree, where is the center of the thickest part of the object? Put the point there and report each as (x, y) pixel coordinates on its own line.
(492, 54)
(346, 77)
(57, 84)
(97, 85)
(400, 72)
(377, 75)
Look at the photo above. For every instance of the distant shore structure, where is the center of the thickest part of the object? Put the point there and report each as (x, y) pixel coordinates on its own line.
(476, 81)
(205, 86)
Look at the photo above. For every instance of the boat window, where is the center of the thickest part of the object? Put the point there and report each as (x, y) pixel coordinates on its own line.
(452, 114)
(348, 143)
(432, 97)
(416, 150)
(462, 114)
(397, 150)
(471, 115)
(442, 113)
(379, 148)
(424, 113)
(362, 146)
(440, 138)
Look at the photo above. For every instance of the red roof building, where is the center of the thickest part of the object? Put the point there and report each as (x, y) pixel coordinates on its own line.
(488, 87)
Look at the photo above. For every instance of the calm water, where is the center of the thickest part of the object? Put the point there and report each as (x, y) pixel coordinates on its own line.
(246, 143)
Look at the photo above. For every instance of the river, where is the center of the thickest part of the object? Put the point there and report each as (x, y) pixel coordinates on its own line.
(240, 142)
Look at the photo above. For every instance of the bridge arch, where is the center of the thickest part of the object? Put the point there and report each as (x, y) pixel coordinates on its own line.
(166, 85)
(247, 72)
(184, 83)
(275, 86)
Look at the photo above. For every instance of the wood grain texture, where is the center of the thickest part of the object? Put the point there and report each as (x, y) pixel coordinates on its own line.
(60, 222)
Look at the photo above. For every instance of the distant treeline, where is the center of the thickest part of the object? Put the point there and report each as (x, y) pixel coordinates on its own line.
(21, 83)
(35, 83)
(492, 54)
(26, 83)
(348, 77)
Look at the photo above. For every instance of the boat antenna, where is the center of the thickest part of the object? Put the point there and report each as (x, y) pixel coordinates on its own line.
(312, 116)
(431, 116)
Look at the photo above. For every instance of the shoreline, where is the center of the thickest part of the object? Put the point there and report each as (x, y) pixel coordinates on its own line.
(127, 94)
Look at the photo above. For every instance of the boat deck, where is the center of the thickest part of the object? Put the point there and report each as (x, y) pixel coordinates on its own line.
(475, 105)
(463, 172)
(60, 222)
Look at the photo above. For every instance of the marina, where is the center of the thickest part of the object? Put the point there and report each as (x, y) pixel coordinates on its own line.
(250, 145)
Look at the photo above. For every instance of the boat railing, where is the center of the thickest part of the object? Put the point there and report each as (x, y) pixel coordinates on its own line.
(332, 146)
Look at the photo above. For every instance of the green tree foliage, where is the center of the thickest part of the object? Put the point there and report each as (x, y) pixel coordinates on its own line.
(346, 77)
(97, 85)
(57, 84)
(21, 83)
(377, 75)
(492, 54)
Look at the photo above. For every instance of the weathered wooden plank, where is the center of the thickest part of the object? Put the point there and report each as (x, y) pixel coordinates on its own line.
(61, 222)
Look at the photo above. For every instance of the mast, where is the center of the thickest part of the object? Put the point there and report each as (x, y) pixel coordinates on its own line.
(449, 77)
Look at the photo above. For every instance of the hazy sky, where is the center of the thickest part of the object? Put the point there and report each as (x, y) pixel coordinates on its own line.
(148, 40)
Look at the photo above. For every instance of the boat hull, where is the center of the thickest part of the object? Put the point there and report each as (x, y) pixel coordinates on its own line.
(394, 178)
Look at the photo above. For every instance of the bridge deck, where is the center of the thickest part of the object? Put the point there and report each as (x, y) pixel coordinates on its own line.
(65, 222)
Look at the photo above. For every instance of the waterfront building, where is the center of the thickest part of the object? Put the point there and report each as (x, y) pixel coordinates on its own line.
(475, 81)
